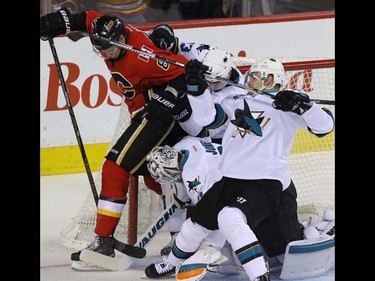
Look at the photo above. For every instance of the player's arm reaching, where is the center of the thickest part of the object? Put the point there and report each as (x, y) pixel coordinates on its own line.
(200, 112)
(319, 121)
(206, 94)
(139, 73)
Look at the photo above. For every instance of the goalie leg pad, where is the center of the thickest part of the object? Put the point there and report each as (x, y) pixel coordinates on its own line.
(195, 267)
(308, 258)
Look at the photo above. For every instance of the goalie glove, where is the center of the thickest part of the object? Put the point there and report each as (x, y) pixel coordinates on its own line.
(292, 100)
(54, 24)
(162, 36)
(195, 81)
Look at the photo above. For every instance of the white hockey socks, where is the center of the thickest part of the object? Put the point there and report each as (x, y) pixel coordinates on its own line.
(232, 223)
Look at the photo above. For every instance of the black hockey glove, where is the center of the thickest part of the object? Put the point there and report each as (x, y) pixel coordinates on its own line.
(54, 24)
(161, 104)
(292, 100)
(195, 81)
(162, 36)
(182, 111)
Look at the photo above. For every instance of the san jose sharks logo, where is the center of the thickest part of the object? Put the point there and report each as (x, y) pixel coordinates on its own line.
(246, 123)
(203, 47)
(192, 185)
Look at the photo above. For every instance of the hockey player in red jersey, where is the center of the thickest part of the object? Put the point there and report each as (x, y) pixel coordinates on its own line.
(153, 92)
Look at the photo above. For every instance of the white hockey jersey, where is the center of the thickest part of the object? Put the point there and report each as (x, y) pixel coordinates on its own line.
(258, 138)
(200, 165)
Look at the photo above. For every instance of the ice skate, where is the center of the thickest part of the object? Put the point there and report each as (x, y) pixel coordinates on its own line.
(102, 245)
(160, 269)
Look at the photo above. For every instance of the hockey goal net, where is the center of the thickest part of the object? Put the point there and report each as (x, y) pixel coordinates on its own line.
(311, 164)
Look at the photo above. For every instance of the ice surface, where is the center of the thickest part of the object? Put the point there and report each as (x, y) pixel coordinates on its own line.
(61, 198)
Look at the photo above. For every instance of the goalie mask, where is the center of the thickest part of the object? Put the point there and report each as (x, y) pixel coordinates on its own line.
(219, 62)
(163, 164)
(110, 28)
(266, 67)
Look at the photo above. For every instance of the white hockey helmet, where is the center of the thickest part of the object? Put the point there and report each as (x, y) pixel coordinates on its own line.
(163, 164)
(219, 62)
(266, 67)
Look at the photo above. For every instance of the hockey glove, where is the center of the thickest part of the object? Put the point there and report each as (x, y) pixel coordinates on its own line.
(292, 100)
(182, 111)
(161, 104)
(54, 24)
(195, 81)
(162, 36)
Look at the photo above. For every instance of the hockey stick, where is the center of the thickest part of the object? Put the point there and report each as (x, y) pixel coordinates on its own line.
(123, 263)
(73, 119)
(120, 246)
(157, 57)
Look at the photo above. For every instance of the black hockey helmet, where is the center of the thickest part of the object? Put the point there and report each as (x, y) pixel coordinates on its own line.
(108, 27)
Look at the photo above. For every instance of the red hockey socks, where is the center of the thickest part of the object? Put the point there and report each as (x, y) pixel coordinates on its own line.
(112, 199)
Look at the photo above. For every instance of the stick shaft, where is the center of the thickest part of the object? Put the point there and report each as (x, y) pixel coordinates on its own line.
(154, 56)
(74, 121)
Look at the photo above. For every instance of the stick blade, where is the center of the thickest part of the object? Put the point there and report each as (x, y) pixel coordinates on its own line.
(133, 251)
(117, 263)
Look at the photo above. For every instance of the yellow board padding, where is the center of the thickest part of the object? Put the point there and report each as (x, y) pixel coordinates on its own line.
(68, 159)
(307, 142)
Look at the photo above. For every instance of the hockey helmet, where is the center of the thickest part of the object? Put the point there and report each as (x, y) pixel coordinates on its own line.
(219, 62)
(163, 164)
(107, 27)
(266, 67)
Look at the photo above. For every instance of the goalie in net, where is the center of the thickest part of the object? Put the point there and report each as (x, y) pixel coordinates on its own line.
(254, 204)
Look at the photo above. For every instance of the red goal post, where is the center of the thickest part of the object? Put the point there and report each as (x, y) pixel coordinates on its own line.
(311, 163)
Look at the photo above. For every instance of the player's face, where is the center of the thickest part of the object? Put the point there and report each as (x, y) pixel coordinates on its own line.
(253, 80)
(112, 52)
(216, 85)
